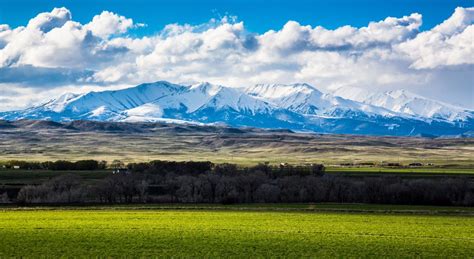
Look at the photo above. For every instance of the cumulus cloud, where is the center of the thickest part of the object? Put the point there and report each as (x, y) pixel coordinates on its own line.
(108, 23)
(294, 37)
(389, 54)
(54, 40)
(224, 51)
(449, 43)
(47, 21)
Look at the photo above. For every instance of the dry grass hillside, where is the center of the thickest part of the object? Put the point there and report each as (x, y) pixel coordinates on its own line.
(132, 142)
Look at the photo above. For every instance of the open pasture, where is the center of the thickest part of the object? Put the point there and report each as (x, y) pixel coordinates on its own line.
(230, 233)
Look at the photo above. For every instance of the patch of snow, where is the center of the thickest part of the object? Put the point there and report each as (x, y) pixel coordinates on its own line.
(146, 110)
(98, 112)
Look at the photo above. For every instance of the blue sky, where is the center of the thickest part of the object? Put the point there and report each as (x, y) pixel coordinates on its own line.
(258, 15)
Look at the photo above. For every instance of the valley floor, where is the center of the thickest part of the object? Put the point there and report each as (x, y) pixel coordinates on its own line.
(143, 143)
(237, 231)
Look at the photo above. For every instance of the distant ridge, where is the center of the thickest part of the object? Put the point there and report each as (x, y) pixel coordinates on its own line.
(406, 102)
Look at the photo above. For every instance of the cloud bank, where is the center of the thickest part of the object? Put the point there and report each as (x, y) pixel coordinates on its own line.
(53, 53)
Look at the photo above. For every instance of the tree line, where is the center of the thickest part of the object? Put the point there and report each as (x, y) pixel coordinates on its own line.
(59, 165)
(204, 182)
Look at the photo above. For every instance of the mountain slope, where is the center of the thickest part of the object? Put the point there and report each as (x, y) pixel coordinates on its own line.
(297, 107)
(106, 105)
(405, 102)
(208, 103)
(306, 99)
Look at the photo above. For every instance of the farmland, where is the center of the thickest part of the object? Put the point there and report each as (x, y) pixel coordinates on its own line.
(356, 165)
(235, 231)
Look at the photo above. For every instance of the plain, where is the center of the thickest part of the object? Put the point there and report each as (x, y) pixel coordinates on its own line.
(231, 233)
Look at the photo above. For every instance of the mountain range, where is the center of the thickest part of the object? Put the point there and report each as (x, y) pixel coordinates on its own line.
(299, 107)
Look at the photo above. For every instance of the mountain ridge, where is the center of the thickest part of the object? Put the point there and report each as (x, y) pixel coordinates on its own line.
(299, 107)
(404, 101)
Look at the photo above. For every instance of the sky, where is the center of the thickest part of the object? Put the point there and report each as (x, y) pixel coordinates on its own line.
(49, 47)
(259, 15)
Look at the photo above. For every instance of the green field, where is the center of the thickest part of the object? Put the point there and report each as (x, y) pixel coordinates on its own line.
(235, 232)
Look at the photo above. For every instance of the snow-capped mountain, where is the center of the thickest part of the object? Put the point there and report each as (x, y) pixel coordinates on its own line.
(306, 99)
(407, 103)
(202, 95)
(297, 107)
(106, 105)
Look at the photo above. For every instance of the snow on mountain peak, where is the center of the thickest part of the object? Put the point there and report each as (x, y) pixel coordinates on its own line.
(408, 103)
(279, 91)
(197, 97)
(296, 106)
(398, 93)
(58, 104)
(218, 97)
(306, 99)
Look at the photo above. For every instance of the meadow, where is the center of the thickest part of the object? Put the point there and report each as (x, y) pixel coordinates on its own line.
(232, 232)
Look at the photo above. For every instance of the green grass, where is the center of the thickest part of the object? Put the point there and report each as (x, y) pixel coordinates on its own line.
(230, 233)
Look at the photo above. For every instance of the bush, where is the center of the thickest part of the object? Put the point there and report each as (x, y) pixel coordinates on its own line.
(86, 165)
(61, 189)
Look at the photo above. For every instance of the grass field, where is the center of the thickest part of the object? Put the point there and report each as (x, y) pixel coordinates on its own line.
(127, 231)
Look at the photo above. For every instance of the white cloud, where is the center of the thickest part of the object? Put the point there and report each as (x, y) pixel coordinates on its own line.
(108, 23)
(387, 54)
(47, 21)
(293, 37)
(461, 18)
(450, 43)
(54, 40)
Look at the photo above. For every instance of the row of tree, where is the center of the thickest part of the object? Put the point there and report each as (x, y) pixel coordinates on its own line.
(227, 183)
(62, 165)
(165, 167)
(158, 167)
